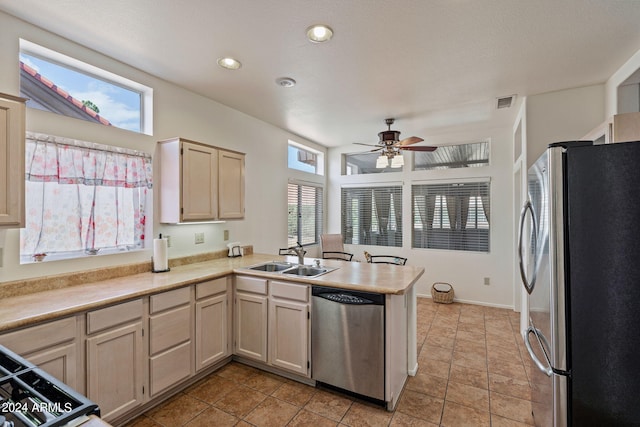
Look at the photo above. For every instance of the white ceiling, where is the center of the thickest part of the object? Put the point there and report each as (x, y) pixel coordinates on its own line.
(432, 64)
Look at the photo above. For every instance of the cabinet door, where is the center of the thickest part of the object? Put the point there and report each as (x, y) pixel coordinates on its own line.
(199, 182)
(12, 128)
(212, 339)
(115, 364)
(60, 361)
(251, 326)
(289, 335)
(230, 185)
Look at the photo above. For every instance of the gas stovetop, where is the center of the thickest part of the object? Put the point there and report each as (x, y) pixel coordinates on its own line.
(30, 397)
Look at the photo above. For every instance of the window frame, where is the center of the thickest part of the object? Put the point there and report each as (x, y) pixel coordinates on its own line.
(352, 198)
(76, 65)
(301, 187)
(318, 169)
(482, 162)
(474, 236)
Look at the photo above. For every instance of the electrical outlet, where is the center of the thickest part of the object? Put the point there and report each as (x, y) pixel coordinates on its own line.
(168, 240)
(487, 281)
(226, 235)
(199, 238)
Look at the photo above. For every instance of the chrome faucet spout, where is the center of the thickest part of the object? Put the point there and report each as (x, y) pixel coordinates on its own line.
(299, 251)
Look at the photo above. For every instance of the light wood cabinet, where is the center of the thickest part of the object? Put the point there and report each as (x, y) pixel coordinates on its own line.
(12, 135)
(213, 322)
(289, 327)
(199, 182)
(53, 346)
(251, 315)
(619, 128)
(116, 358)
(170, 339)
(231, 184)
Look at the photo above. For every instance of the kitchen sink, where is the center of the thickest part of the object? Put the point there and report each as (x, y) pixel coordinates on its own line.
(306, 271)
(291, 269)
(272, 266)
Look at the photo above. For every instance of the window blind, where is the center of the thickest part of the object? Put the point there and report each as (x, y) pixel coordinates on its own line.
(372, 215)
(453, 216)
(304, 214)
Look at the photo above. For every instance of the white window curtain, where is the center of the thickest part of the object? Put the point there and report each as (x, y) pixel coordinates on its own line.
(82, 196)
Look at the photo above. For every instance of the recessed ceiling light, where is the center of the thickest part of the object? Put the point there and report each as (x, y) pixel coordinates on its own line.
(319, 33)
(285, 82)
(229, 63)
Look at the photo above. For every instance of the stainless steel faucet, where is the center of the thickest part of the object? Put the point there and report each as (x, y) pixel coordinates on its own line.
(298, 250)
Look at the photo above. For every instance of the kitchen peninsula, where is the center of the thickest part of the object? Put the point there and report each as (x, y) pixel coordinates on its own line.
(165, 331)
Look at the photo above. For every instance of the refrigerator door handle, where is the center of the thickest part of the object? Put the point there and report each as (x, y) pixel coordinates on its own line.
(547, 370)
(528, 284)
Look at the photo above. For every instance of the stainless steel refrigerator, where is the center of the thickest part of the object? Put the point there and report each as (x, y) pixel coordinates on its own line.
(579, 247)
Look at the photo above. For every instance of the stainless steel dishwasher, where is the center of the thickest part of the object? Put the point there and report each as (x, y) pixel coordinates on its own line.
(347, 340)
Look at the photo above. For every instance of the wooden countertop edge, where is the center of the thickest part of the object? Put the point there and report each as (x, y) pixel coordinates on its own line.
(30, 309)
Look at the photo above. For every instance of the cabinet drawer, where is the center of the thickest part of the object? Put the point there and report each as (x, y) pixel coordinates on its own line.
(169, 368)
(169, 329)
(289, 291)
(35, 338)
(251, 284)
(170, 299)
(211, 287)
(105, 318)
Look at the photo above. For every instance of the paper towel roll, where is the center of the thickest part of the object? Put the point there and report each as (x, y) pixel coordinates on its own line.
(160, 255)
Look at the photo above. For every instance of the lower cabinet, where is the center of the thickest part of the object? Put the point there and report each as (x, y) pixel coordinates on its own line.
(115, 358)
(289, 327)
(54, 346)
(213, 322)
(251, 314)
(170, 342)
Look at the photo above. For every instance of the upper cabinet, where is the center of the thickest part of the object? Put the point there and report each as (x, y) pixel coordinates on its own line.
(12, 134)
(619, 128)
(199, 182)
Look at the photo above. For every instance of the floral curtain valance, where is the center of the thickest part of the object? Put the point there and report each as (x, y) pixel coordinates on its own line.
(66, 161)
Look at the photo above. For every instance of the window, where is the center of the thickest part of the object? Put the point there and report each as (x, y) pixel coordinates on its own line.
(451, 216)
(372, 215)
(82, 198)
(62, 85)
(305, 159)
(453, 156)
(364, 163)
(305, 214)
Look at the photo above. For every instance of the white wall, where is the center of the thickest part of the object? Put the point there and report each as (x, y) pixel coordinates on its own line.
(465, 271)
(611, 87)
(177, 112)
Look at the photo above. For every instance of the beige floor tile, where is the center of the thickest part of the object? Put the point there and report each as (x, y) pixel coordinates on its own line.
(472, 336)
(470, 360)
(455, 415)
(212, 389)
(213, 417)
(507, 369)
(439, 341)
(511, 408)
(240, 401)
(177, 411)
(361, 415)
(435, 353)
(427, 384)
(142, 421)
(236, 372)
(510, 386)
(403, 420)
(295, 393)
(329, 405)
(435, 368)
(306, 418)
(474, 377)
(272, 412)
(498, 421)
(420, 405)
(467, 395)
(466, 346)
(264, 382)
(472, 326)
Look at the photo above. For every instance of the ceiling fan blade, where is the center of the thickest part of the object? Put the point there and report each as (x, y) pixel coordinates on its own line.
(368, 145)
(409, 141)
(419, 148)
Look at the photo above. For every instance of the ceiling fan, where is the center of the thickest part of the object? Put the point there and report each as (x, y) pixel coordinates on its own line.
(390, 146)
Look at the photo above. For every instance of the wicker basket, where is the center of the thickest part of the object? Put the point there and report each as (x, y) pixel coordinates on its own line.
(442, 292)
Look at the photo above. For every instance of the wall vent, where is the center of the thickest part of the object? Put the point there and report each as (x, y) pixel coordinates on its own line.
(504, 101)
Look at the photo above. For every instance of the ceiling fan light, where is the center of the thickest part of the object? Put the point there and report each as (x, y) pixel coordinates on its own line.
(397, 161)
(382, 162)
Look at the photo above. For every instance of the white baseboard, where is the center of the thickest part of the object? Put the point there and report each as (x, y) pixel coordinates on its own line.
(463, 301)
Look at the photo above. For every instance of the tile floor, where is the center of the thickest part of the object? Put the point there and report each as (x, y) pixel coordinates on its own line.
(471, 373)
